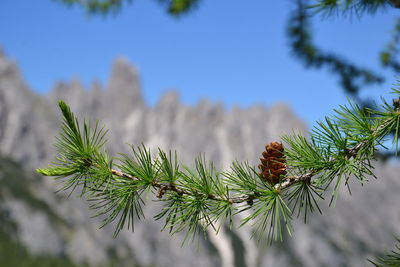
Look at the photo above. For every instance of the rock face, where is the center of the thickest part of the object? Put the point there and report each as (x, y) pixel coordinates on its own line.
(20, 118)
(358, 227)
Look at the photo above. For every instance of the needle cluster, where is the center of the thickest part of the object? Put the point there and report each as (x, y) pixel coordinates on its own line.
(390, 259)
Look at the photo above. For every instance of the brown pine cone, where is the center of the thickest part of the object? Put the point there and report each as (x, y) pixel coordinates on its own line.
(273, 163)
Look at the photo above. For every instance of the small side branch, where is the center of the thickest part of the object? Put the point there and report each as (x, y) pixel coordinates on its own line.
(163, 188)
(290, 180)
(166, 187)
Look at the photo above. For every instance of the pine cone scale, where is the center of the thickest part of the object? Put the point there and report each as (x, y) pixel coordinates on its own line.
(273, 163)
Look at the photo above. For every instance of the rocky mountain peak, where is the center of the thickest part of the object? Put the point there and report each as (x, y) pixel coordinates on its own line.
(9, 68)
(71, 92)
(169, 99)
(123, 90)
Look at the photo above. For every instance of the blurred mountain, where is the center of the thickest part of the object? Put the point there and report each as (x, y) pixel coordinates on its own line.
(50, 224)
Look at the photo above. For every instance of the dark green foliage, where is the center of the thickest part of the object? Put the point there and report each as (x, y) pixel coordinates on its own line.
(179, 7)
(103, 7)
(351, 76)
(390, 259)
(357, 7)
(390, 121)
(389, 55)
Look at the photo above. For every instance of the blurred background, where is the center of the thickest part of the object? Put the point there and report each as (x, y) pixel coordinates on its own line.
(219, 77)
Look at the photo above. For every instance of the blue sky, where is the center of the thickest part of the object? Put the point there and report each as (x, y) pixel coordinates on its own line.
(224, 51)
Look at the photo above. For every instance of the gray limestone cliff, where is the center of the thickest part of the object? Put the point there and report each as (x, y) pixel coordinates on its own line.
(358, 227)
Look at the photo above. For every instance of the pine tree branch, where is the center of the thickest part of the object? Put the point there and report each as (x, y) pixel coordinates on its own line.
(291, 179)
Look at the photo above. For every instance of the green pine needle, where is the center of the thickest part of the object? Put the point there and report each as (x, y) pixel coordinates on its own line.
(390, 259)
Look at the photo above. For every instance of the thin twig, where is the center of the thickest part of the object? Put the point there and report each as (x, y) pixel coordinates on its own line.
(234, 200)
(166, 187)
